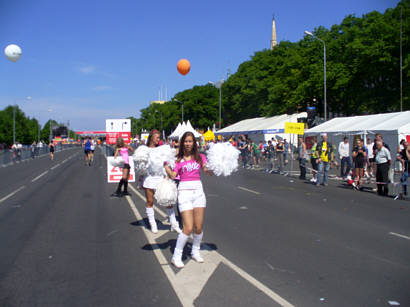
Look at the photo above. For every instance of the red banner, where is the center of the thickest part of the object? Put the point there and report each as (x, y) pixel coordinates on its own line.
(111, 137)
(90, 132)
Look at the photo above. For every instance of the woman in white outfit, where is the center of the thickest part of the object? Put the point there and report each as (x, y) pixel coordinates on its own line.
(191, 197)
(150, 183)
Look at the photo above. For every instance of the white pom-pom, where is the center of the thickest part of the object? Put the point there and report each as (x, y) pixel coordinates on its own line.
(140, 157)
(118, 162)
(223, 159)
(166, 193)
(157, 157)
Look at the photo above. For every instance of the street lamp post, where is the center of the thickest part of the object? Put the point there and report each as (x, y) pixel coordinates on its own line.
(50, 136)
(218, 85)
(14, 116)
(324, 69)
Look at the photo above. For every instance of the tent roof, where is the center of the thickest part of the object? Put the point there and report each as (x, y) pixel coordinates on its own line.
(399, 121)
(274, 124)
(182, 128)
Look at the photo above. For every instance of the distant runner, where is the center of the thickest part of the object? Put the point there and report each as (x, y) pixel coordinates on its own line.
(87, 151)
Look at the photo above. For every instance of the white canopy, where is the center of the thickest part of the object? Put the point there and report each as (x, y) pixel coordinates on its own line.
(262, 125)
(182, 128)
(392, 126)
(394, 122)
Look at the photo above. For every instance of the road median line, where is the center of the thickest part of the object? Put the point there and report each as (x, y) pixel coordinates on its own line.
(39, 176)
(399, 235)
(12, 193)
(249, 190)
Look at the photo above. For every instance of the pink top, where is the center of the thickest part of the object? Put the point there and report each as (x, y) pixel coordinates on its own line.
(189, 170)
(124, 155)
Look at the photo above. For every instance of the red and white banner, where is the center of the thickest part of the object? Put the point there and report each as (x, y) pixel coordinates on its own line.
(111, 137)
(114, 173)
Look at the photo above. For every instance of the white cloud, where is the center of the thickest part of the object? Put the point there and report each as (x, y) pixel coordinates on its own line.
(87, 69)
(100, 88)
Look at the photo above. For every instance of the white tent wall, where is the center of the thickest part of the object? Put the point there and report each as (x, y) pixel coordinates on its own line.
(392, 126)
(264, 128)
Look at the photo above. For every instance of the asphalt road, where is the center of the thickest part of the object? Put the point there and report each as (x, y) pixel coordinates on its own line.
(269, 240)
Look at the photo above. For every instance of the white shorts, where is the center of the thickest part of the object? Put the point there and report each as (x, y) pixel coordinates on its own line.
(151, 182)
(190, 199)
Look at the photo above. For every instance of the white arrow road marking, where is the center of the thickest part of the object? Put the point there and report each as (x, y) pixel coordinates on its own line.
(189, 282)
(12, 193)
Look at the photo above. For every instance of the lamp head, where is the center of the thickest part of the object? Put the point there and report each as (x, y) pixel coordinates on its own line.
(308, 33)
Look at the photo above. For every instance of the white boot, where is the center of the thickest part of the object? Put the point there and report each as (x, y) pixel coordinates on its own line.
(151, 219)
(179, 248)
(196, 247)
(173, 220)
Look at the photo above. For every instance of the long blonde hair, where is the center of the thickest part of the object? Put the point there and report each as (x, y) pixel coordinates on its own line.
(120, 143)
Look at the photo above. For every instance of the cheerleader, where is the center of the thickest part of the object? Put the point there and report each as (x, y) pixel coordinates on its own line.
(191, 197)
(122, 149)
(150, 182)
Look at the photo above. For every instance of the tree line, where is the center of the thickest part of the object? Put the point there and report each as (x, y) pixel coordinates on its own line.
(27, 129)
(363, 77)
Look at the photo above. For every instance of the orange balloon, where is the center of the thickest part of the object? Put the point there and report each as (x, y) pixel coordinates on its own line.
(183, 66)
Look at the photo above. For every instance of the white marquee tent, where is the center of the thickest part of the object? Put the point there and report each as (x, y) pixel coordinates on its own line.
(263, 128)
(182, 128)
(393, 127)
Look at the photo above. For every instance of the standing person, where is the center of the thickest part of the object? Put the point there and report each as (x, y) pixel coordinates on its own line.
(191, 197)
(33, 149)
(279, 154)
(87, 151)
(286, 151)
(150, 183)
(92, 149)
(122, 149)
(270, 150)
(344, 155)
(51, 149)
(313, 160)
(242, 146)
(249, 153)
(302, 158)
(404, 158)
(359, 158)
(383, 161)
(256, 153)
(370, 157)
(324, 151)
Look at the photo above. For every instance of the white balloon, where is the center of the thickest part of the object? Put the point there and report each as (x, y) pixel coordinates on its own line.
(13, 52)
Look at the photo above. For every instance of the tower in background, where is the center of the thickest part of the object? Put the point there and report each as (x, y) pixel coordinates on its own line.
(273, 41)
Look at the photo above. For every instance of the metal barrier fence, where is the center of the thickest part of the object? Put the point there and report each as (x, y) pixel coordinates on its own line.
(8, 156)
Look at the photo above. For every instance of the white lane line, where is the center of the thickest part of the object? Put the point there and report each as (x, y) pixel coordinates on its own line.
(189, 282)
(55, 166)
(399, 235)
(248, 190)
(12, 193)
(281, 301)
(159, 211)
(64, 161)
(39, 176)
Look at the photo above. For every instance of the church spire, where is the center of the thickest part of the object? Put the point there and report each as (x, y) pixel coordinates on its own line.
(273, 41)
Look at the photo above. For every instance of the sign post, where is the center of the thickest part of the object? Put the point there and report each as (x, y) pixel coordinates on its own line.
(294, 128)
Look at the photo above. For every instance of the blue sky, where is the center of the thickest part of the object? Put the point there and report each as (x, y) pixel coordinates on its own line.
(92, 60)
